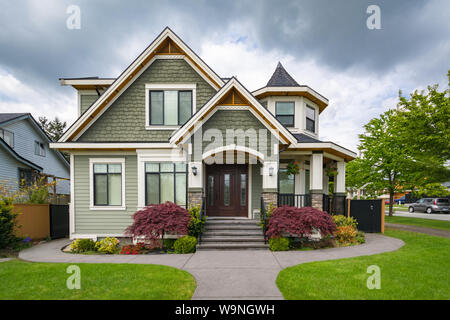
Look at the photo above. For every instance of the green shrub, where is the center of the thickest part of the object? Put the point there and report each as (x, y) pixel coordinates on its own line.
(169, 243)
(342, 221)
(185, 244)
(108, 245)
(8, 221)
(345, 235)
(360, 237)
(269, 210)
(82, 245)
(279, 244)
(196, 225)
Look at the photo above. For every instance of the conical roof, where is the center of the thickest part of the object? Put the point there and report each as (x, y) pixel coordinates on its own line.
(281, 78)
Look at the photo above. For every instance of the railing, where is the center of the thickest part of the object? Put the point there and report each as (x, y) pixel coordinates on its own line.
(294, 200)
(202, 215)
(264, 219)
(334, 205)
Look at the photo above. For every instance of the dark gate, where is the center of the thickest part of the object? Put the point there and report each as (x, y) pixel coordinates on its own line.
(368, 213)
(59, 221)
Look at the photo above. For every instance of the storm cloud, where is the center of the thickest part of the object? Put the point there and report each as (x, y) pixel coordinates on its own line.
(324, 44)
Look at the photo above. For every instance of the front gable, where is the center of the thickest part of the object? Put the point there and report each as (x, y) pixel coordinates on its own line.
(125, 119)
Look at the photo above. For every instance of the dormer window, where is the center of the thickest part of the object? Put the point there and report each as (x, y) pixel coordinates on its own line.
(169, 105)
(284, 112)
(8, 137)
(310, 119)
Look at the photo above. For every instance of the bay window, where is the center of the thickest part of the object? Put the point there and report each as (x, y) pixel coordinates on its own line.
(284, 112)
(165, 182)
(310, 119)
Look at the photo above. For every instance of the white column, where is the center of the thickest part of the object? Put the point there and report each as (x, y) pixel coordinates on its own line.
(300, 179)
(340, 178)
(316, 172)
(195, 181)
(270, 181)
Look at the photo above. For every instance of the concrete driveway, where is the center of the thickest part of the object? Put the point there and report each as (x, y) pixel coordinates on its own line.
(244, 274)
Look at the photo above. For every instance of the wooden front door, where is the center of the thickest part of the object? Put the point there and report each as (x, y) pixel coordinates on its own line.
(227, 190)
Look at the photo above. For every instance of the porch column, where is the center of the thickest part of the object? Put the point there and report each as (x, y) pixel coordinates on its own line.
(316, 179)
(270, 183)
(300, 179)
(339, 185)
(195, 183)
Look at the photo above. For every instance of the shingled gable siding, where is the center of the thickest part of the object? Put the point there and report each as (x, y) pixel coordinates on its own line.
(103, 222)
(124, 121)
(86, 100)
(224, 120)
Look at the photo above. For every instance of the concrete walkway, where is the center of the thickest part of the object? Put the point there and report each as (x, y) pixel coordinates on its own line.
(246, 274)
(429, 231)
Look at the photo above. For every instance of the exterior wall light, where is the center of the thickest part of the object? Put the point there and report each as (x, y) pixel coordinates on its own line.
(271, 171)
(194, 170)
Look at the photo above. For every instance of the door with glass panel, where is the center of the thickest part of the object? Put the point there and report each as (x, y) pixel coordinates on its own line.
(227, 190)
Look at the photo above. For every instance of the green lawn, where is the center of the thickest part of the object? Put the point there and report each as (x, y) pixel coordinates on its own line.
(428, 223)
(418, 270)
(26, 280)
(398, 207)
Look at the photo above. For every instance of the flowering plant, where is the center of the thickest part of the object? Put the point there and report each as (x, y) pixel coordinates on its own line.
(293, 168)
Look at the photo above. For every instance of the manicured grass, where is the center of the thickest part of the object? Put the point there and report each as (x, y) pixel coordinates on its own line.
(428, 223)
(399, 207)
(418, 270)
(41, 281)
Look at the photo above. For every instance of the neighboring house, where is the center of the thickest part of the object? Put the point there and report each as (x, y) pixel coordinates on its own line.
(25, 154)
(170, 129)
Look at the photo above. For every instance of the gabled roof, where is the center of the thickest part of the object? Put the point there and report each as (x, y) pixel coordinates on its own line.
(85, 83)
(233, 86)
(162, 45)
(281, 78)
(5, 117)
(16, 156)
(304, 138)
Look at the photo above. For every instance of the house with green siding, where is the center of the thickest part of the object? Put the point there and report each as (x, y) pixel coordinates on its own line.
(170, 129)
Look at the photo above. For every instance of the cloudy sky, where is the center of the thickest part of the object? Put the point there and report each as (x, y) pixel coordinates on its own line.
(323, 44)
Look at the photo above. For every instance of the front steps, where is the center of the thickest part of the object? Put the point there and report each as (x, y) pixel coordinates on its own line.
(231, 233)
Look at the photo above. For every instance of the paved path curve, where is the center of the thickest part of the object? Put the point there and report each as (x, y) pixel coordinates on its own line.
(246, 274)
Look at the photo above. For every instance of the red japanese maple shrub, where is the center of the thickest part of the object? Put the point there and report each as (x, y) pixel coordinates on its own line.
(299, 222)
(155, 220)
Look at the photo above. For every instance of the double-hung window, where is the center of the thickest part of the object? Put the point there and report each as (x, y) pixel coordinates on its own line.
(165, 182)
(8, 137)
(169, 107)
(284, 112)
(107, 183)
(310, 119)
(39, 149)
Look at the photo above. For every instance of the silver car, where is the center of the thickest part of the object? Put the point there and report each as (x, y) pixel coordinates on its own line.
(430, 205)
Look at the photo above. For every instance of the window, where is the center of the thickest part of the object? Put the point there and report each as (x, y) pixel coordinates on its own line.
(286, 182)
(243, 192)
(170, 107)
(165, 182)
(107, 183)
(8, 137)
(310, 119)
(284, 112)
(25, 177)
(39, 149)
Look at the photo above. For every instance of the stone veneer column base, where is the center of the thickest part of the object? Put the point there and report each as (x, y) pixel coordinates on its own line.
(195, 197)
(270, 197)
(317, 200)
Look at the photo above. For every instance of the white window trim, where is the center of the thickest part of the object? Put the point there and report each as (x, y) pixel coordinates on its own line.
(162, 87)
(92, 161)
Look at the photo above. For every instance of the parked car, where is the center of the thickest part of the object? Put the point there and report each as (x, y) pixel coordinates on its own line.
(430, 205)
(400, 200)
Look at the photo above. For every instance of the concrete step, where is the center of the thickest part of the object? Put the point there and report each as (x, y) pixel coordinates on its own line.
(224, 239)
(233, 246)
(232, 222)
(232, 233)
(231, 227)
(227, 218)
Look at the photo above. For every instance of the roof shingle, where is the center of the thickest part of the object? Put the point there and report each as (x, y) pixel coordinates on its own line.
(280, 78)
